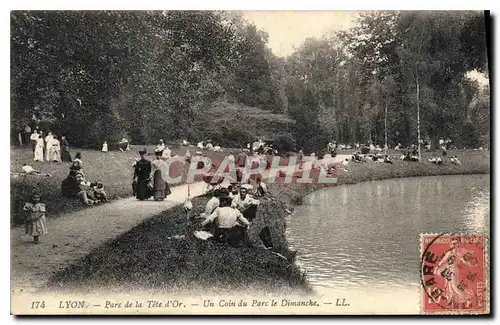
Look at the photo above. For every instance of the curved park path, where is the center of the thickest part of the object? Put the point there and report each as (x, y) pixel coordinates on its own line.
(73, 235)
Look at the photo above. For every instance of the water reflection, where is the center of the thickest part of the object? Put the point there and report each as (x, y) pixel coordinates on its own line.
(368, 234)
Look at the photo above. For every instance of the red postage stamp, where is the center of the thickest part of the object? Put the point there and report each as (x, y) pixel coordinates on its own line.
(454, 274)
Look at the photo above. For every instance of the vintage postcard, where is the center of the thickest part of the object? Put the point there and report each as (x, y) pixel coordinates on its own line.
(250, 162)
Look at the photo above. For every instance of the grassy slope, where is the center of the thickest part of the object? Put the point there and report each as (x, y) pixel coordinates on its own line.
(145, 258)
(113, 169)
(148, 258)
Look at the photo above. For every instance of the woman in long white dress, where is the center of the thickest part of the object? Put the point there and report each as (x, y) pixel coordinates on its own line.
(48, 144)
(39, 149)
(55, 152)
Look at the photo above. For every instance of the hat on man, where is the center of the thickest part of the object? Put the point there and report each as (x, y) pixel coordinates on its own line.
(143, 151)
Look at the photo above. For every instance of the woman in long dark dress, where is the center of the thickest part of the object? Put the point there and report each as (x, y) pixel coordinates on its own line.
(65, 155)
(141, 177)
(160, 187)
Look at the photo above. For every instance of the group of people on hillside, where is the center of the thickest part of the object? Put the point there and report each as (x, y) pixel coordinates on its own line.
(231, 210)
(76, 186)
(49, 148)
(208, 145)
(123, 145)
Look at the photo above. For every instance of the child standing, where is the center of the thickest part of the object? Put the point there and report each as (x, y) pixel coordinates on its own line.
(36, 222)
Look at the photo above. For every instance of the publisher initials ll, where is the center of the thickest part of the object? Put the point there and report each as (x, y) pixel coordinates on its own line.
(341, 303)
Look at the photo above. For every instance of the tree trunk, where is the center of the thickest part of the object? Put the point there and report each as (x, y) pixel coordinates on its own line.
(385, 125)
(418, 117)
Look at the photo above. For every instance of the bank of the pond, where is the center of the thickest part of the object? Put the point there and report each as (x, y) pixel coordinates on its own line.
(472, 162)
(160, 255)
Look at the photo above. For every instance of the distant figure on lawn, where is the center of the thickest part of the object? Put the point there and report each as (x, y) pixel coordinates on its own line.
(65, 155)
(167, 153)
(160, 187)
(35, 220)
(142, 174)
(33, 138)
(28, 170)
(48, 146)
(104, 147)
(161, 146)
(26, 135)
(55, 151)
(39, 149)
(123, 145)
(230, 224)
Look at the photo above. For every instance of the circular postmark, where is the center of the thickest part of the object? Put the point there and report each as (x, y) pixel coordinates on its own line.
(452, 272)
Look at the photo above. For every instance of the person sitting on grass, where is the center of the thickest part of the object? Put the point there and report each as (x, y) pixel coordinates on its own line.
(77, 162)
(73, 187)
(387, 160)
(212, 204)
(245, 204)
(230, 224)
(454, 160)
(99, 192)
(36, 222)
(261, 189)
(123, 145)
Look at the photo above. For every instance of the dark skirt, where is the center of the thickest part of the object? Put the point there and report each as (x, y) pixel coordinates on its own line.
(142, 190)
(160, 187)
(65, 155)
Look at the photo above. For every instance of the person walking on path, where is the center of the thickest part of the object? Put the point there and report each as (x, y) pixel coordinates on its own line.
(142, 174)
(159, 167)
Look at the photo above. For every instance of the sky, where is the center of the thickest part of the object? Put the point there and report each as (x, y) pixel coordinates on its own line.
(289, 29)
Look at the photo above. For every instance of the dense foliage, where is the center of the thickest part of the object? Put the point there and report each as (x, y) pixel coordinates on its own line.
(147, 75)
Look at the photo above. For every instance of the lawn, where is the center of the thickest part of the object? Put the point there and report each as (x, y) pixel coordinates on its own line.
(113, 169)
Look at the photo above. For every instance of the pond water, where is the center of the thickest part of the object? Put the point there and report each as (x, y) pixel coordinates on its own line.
(361, 242)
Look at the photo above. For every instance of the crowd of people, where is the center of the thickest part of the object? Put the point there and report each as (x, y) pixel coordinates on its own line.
(48, 147)
(230, 212)
(233, 205)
